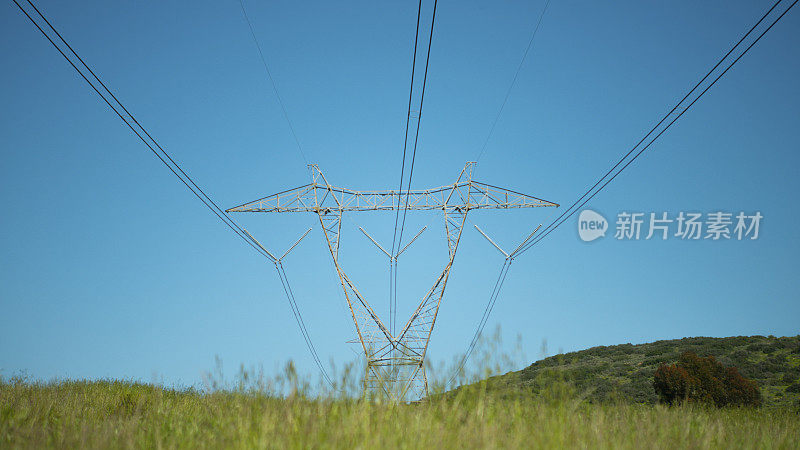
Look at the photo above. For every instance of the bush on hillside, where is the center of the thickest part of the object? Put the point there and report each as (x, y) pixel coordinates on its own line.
(706, 380)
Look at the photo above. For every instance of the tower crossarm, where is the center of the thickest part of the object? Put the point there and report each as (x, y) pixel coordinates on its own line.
(486, 196)
(316, 197)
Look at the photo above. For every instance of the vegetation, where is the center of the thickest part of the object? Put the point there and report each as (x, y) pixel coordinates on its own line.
(704, 380)
(625, 372)
(543, 406)
(129, 415)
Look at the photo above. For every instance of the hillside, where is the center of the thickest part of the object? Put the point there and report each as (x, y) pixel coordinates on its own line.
(626, 371)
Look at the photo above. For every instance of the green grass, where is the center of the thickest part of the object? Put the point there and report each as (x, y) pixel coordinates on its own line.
(597, 398)
(127, 415)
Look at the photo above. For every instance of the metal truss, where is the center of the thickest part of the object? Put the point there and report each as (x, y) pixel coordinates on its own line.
(395, 361)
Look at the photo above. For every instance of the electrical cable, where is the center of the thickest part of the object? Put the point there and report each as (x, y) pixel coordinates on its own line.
(403, 162)
(501, 278)
(299, 318)
(513, 81)
(174, 167)
(414, 153)
(567, 214)
(185, 179)
(272, 81)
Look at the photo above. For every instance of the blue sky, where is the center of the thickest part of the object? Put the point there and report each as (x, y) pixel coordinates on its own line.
(111, 268)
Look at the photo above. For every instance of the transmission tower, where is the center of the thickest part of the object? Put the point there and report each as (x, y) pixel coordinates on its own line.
(395, 361)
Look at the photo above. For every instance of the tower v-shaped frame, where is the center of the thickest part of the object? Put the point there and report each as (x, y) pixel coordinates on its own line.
(395, 362)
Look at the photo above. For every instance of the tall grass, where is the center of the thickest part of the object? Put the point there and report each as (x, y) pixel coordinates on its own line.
(117, 414)
(285, 411)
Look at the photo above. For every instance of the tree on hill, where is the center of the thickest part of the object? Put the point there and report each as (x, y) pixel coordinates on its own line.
(704, 379)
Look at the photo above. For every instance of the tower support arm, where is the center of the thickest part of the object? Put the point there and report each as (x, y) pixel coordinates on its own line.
(317, 197)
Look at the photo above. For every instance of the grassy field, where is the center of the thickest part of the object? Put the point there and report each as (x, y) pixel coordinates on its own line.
(596, 398)
(128, 415)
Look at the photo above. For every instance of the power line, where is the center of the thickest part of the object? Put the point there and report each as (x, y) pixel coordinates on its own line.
(403, 162)
(287, 288)
(507, 263)
(567, 213)
(513, 81)
(416, 141)
(419, 122)
(501, 278)
(272, 81)
(175, 168)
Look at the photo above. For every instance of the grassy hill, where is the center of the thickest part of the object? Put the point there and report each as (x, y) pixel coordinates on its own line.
(626, 371)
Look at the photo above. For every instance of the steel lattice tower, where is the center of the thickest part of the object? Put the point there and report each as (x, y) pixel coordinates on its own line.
(395, 362)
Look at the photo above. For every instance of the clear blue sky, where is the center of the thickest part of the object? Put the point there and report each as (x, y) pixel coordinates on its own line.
(111, 268)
